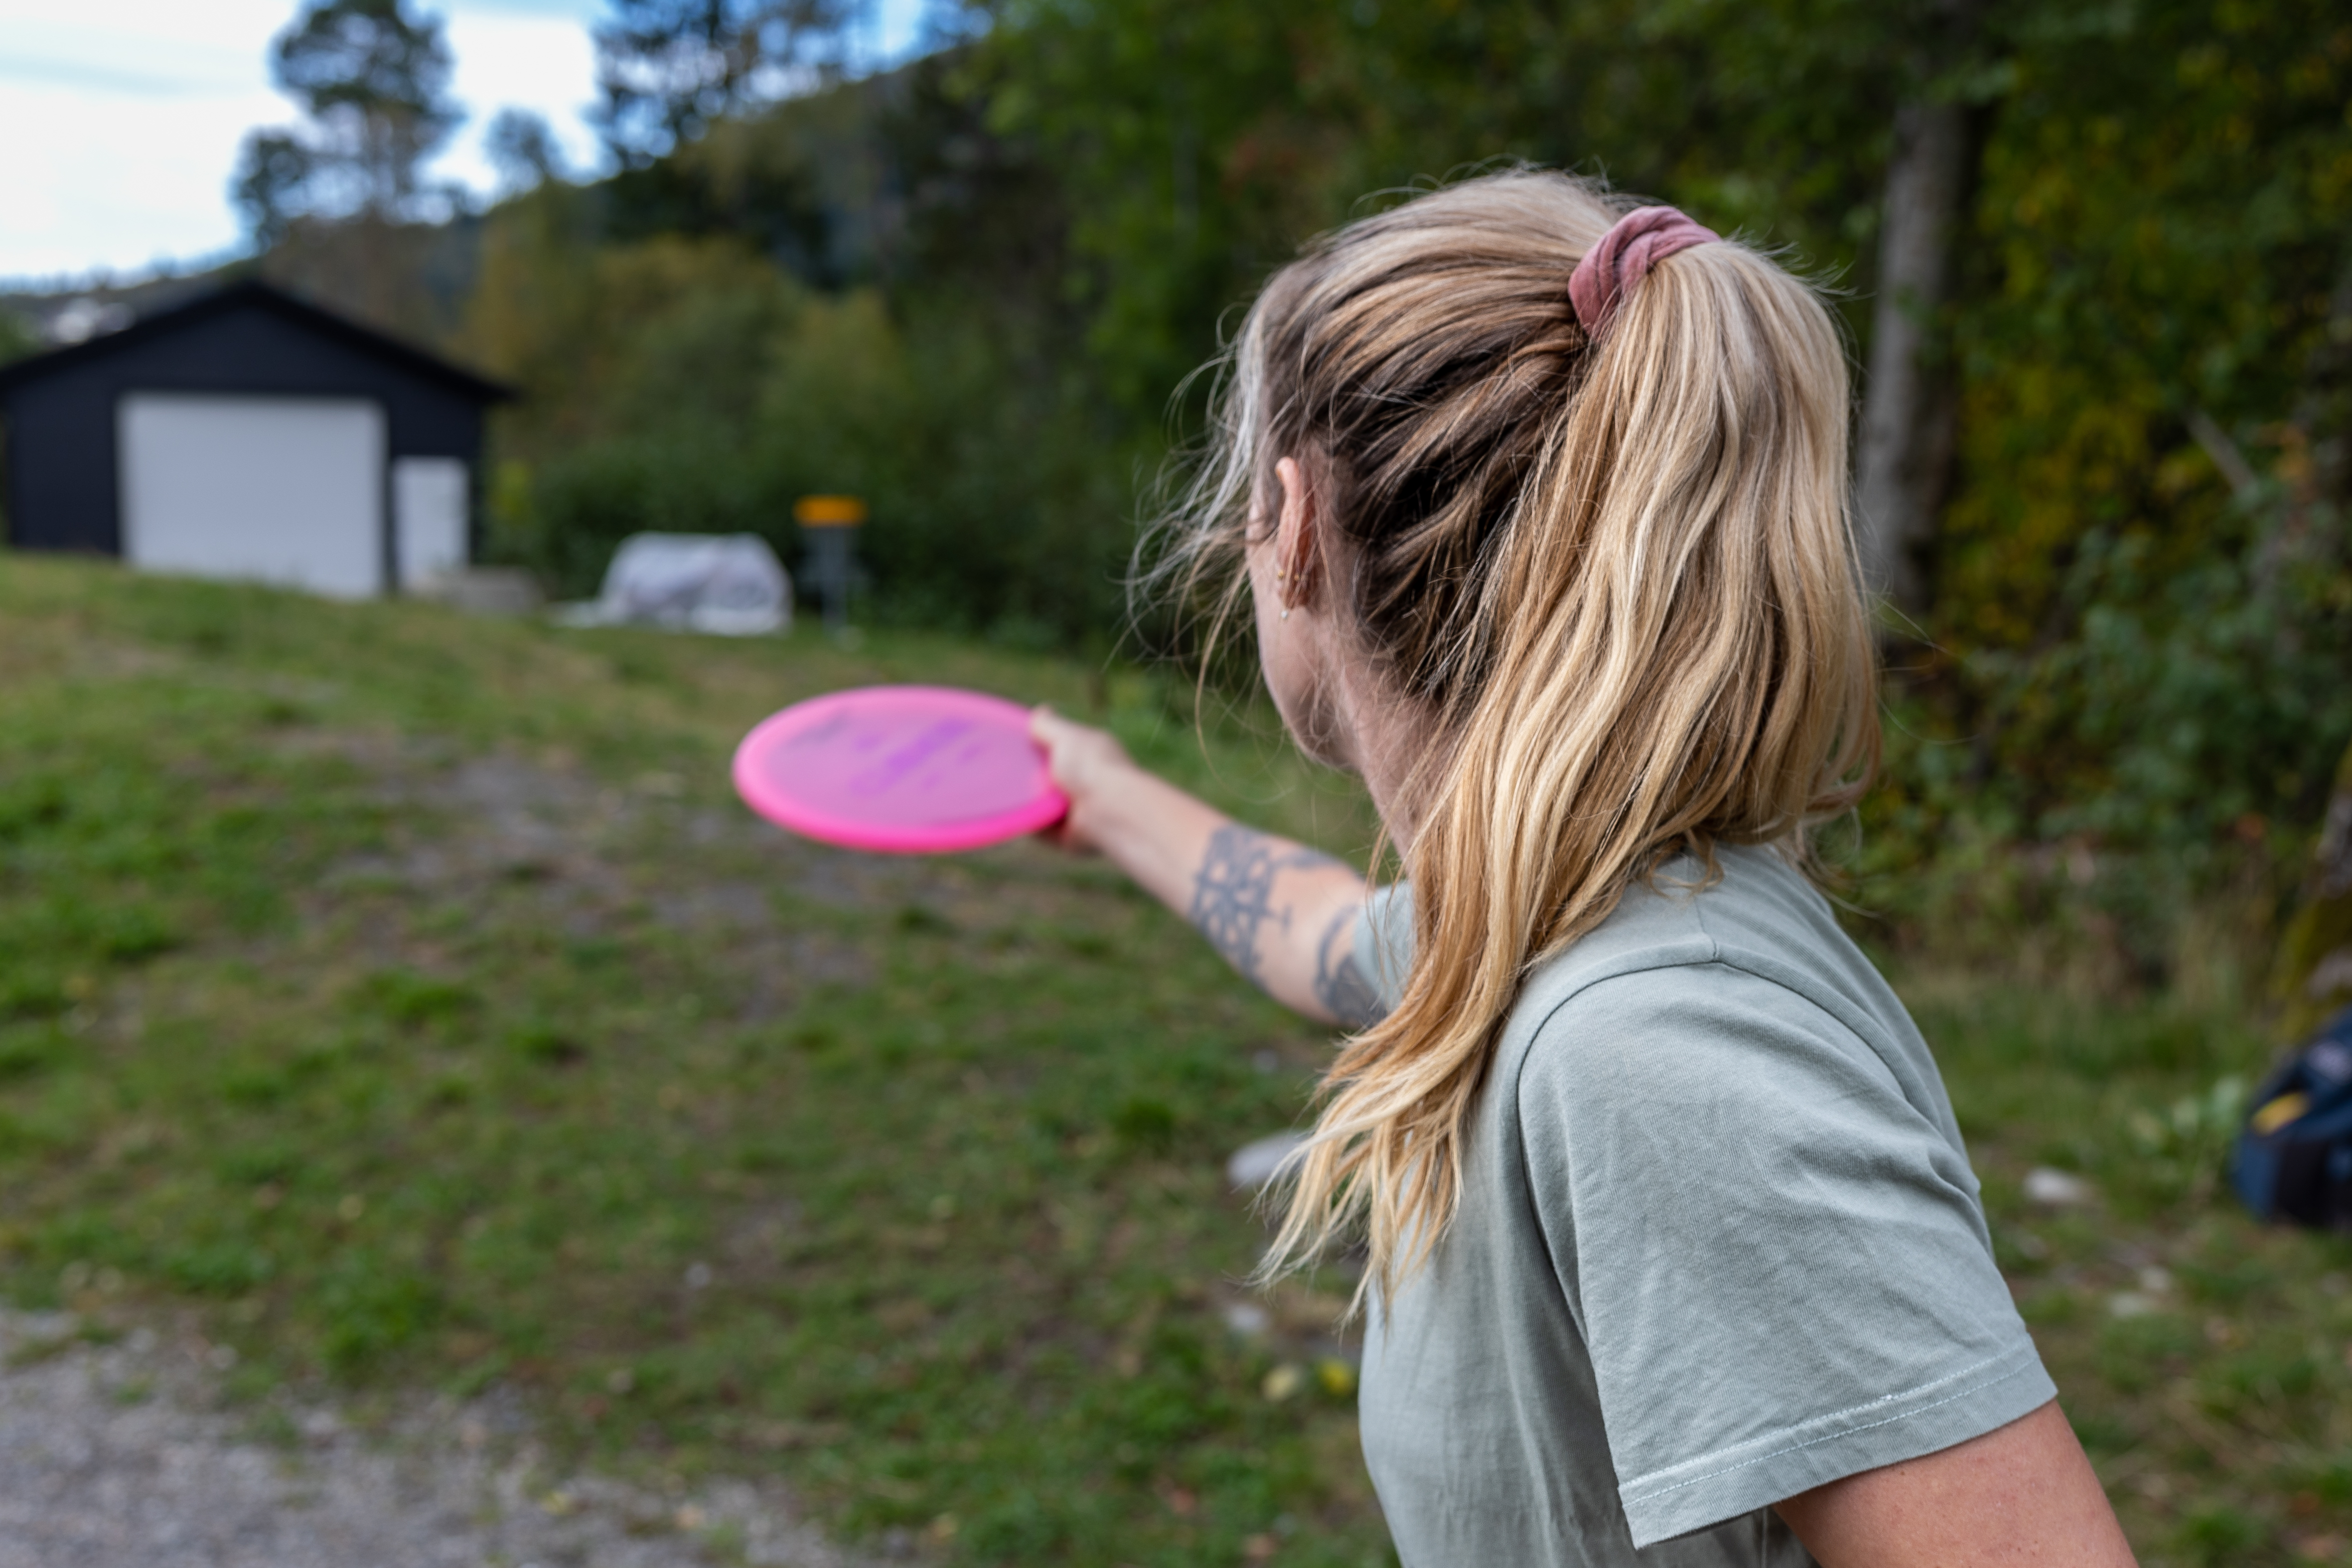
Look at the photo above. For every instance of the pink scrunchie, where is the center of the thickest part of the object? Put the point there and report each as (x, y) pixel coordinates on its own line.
(1634, 244)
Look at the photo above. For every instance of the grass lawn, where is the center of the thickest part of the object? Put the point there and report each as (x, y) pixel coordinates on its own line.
(406, 995)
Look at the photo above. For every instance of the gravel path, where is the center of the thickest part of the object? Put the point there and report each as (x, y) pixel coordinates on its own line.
(120, 1456)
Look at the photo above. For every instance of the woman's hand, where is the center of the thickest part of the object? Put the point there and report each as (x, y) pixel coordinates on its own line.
(1087, 764)
(1281, 914)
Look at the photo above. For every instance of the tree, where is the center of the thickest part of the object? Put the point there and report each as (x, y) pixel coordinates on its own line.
(668, 68)
(374, 83)
(272, 176)
(2314, 980)
(523, 149)
(18, 337)
(1911, 407)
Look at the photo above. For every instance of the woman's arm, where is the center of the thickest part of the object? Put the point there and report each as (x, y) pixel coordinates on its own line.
(1283, 915)
(2022, 1496)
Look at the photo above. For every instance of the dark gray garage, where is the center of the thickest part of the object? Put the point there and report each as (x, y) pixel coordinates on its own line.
(248, 435)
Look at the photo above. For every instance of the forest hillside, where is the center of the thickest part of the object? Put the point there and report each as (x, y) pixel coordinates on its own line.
(2095, 261)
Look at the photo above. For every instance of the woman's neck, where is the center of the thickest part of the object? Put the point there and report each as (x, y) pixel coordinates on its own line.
(1395, 745)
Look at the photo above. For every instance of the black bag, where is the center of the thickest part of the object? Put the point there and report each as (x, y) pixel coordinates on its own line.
(2293, 1156)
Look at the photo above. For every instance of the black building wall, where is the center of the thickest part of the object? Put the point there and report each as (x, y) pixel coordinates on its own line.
(64, 475)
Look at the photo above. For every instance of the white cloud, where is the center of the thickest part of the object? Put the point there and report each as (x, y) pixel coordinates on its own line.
(511, 58)
(123, 126)
(122, 120)
(118, 183)
(122, 123)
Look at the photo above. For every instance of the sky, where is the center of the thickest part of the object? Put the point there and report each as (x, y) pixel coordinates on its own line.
(123, 118)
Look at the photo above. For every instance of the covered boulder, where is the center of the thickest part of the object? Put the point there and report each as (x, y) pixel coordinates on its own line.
(729, 584)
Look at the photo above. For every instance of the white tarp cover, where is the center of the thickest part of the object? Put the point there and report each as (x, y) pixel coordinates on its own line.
(730, 584)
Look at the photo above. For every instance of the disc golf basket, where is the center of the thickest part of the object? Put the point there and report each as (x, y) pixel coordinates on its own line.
(830, 524)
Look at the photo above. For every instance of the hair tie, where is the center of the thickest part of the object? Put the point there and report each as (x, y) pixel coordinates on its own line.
(1634, 244)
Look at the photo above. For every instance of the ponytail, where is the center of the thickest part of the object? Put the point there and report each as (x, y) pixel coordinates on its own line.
(1612, 562)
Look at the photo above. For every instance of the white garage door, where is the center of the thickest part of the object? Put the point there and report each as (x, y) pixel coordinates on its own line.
(271, 489)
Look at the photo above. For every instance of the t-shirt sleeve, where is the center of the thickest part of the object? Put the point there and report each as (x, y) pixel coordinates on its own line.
(1384, 944)
(1779, 1264)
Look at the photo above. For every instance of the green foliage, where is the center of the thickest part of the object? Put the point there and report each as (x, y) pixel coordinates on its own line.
(2146, 593)
(2139, 659)
(373, 81)
(671, 68)
(970, 289)
(18, 338)
(688, 385)
(2310, 980)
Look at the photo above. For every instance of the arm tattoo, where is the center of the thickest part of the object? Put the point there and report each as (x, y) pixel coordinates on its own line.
(1233, 890)
(1346, 992)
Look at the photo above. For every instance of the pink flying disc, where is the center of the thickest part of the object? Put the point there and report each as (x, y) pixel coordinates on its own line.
(903, 769)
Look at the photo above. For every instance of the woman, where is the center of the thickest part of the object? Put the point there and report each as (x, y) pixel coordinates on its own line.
(1674, 1255)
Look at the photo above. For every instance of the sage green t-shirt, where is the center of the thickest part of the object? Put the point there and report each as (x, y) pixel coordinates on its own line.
(1719, 1242)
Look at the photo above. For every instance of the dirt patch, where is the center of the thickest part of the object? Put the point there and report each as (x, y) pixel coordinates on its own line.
(122, 1453)
(601, 860)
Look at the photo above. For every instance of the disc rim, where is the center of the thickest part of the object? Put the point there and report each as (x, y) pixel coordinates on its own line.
(976, 832)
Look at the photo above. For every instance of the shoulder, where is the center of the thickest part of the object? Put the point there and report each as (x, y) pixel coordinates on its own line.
(1743, 985)
(1757, 914)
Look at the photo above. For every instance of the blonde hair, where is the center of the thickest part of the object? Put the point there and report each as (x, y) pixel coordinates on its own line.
(1618, 573)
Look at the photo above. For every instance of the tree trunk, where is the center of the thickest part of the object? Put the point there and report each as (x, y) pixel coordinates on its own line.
(2323, 410)
(2315, 960)
(1910, 411)
(2314, 980)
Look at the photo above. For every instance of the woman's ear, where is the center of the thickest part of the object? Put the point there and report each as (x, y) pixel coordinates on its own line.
(1297, 547)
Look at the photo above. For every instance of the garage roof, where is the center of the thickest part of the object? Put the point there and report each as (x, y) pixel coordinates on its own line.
(248, 294)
